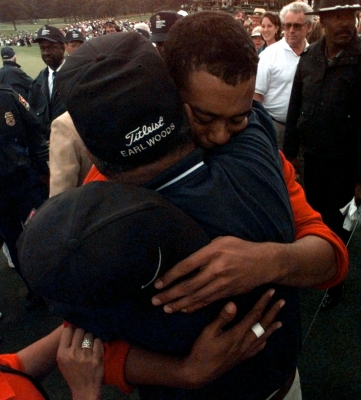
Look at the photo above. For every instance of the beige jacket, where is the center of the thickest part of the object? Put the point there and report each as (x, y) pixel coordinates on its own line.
(68, 160)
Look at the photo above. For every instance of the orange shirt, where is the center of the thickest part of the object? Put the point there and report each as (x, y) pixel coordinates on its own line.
(15, 387)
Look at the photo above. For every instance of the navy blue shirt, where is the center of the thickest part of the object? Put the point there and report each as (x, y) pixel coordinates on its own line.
(238, 189)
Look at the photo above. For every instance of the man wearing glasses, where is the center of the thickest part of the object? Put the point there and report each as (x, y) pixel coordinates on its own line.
(278, 63)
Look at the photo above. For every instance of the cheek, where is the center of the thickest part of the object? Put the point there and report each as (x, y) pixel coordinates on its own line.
(197, 131)
(199, 134)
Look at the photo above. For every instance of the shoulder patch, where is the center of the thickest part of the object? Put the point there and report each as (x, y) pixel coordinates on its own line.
(24, 102)
(9, 118)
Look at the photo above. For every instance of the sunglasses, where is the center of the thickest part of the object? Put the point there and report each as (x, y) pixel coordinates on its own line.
(296, 27)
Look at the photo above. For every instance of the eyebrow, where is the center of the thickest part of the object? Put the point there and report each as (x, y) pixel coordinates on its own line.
(210, 114)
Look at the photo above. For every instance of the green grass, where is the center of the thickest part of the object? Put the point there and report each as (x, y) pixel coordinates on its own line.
(29, 57)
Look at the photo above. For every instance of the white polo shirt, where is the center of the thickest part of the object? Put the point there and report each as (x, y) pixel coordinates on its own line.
(276, 70)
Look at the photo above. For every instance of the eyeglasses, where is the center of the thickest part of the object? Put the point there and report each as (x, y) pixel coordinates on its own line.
(296, 27)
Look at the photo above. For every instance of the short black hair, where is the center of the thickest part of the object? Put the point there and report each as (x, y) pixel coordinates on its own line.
(213, 42)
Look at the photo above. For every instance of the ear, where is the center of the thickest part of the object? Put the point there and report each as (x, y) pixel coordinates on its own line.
(188, 111)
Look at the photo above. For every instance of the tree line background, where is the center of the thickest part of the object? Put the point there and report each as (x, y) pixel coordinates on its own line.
(78, 10)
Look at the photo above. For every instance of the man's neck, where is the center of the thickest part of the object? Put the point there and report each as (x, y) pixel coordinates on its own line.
(299, 50)
(58, 67)
(145, 173)
(332, 51)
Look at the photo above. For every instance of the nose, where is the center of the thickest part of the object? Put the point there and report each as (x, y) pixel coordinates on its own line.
(220, 133)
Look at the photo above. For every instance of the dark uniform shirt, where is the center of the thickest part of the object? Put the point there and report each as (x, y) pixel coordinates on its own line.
(11, 74)
(23, 151)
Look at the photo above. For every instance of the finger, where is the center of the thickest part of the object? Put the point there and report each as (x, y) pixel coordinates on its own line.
(271, 314)
(190, 290)
(268, 319)
(226, 315)
(183, 268)
(66, 337)
(257, 311)
(200, 299)
(192, 294)
(98, 349)
(87, 342)
(78, 337)
(256, 350)
(254, 343)
(185, 288)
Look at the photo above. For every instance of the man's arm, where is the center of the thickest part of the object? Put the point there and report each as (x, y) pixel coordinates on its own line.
(37, 146)
(259, 97)
(291, 143)
(68, 160)
(38, 358)
(229, 266)
(214, 352)
(262, 79)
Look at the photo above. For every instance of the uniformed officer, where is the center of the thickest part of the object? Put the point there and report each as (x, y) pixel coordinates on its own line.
(11, 73)
(23, 168)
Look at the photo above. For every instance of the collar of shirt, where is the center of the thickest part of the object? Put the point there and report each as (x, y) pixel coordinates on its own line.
(287, 46)
(51, 77)
(183, 168)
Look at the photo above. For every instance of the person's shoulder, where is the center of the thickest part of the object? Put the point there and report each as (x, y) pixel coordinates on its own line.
(41, 76)
(355, 45)
(260, 115)
(273, 50)
(317, 47)
(6, 90)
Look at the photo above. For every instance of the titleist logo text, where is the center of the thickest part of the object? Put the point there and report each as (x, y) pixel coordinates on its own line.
(145, 130)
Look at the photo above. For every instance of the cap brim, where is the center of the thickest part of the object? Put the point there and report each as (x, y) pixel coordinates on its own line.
(337, 8)
(48, 39)
(74, 40)
(158, 37)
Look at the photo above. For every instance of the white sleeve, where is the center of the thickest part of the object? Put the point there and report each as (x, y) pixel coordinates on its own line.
(263, 77)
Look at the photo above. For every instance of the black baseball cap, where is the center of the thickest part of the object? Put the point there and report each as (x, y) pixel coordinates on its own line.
(50, 33)
(7, 53)
(121, 98)
(73, 35)
(323, 6)
(94, 252)
(160, 23)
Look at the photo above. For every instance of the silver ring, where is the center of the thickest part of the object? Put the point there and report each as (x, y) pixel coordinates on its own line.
(87, 344)
(258, 330)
